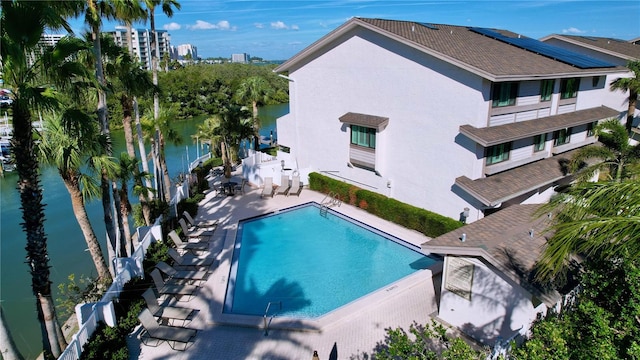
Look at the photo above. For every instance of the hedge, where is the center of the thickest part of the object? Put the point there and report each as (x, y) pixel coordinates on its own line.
(409, 216)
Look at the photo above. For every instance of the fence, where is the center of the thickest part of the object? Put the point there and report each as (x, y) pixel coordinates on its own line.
(90, 315)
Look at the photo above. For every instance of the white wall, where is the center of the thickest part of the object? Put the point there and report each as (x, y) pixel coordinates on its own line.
(498, 307)
(422, 97)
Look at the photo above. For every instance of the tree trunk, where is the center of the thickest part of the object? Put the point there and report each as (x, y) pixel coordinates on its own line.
(33, 222)
(8, 349)
(631, 111)
(80, 212)
(125, 207)
(165, 171)
(144, 198)
(256, 125)
(122, 249)
(48, 316)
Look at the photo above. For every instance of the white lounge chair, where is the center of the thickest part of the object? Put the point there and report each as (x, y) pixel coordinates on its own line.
(187, 246)
(179, 291)
(182, 275)
(268, 188)
(169, 313)
(194, 233)
(207, 225)
(171, 334)
(189, 261)
(296, 185)
(284, 185)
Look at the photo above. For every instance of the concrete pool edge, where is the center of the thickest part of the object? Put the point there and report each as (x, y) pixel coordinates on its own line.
(220, 279)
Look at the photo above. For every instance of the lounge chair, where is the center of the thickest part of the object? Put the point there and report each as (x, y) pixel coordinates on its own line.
(171, 334)
(169, 313)
(188, 261)
(194, 233)
(187, 246)
(172, 288)
(182, 275)
(268, 187)
(296, 185)
(209, 225)
(284, 185)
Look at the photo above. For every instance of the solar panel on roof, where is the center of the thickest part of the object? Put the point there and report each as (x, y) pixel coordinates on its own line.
(430, 26)
(569, 57)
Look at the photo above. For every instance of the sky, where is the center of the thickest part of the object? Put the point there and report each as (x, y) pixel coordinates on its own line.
(278, 29)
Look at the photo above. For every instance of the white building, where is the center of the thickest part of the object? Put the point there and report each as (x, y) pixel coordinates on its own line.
(240, 58)
(186, 49)
(141, 42)
(451, 119)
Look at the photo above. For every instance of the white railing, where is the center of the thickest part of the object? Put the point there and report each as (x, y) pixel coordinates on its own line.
(194, 164)
(90, 315)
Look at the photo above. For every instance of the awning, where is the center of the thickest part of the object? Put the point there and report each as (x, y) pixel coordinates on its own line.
(370, 121)
(494, 135)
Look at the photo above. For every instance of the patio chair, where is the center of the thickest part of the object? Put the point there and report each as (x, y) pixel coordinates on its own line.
(188, 261)
(240, 187)
(168, 313)
(173, 335)
(268, 187)
(284, 185)
(187, 246)
(180, 291)
(209, 225)
(182, 275)
(296, 185)
(194, 233)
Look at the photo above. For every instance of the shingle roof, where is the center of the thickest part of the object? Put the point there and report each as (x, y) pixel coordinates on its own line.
(621, 48)
(489, 136)
(371, 121)
(503, 239)
(483, 55)
(495, 189)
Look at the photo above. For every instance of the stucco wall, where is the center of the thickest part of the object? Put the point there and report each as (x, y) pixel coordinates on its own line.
(497, 307)
(425, 99)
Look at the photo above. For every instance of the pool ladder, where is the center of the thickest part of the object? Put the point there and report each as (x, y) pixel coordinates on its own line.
(266, 312)
(330, 200)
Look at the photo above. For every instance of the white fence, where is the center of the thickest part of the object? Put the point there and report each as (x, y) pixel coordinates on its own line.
(90, 315)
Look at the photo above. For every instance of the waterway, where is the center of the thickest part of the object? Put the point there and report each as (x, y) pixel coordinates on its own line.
(65, 242)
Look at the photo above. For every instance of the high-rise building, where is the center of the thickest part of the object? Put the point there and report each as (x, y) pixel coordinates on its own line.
(186, 49)
(45, 40)
(240, 58)
(141, 43)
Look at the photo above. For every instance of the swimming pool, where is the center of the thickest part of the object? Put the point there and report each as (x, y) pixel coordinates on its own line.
(311, 264)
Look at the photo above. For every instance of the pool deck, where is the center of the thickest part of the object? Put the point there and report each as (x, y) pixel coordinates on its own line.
(353, 330)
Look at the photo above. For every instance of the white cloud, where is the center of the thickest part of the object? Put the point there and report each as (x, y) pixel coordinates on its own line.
(172, 26)
(573, 30)
(279, 25)
(203, 25)
(259, 25)
(295, 27)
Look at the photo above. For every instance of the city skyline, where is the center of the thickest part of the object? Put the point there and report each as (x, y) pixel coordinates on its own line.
(277, 30)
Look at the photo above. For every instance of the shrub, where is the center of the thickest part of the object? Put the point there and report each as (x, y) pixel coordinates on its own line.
(409, 216)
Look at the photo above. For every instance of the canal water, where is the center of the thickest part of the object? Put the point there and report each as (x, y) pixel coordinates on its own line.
(65, 243)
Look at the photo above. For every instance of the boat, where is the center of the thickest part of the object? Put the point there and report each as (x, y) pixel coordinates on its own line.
(6, 157)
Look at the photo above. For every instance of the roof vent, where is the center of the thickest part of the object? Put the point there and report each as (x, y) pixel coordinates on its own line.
(531, 233)
(413, 28)
(463, 238)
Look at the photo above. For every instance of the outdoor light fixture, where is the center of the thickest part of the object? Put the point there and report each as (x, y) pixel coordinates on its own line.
(282, 164)
(464, 215)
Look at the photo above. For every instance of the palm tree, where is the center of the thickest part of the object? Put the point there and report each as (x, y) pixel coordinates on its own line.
(159, 131)
(615, 155)
(167, 8)
(255, 90)
(632, 85)
(29, 71)
(69, 142)
(129, 80)
(600, 220)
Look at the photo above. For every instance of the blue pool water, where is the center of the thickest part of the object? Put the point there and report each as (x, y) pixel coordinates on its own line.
(313, 264)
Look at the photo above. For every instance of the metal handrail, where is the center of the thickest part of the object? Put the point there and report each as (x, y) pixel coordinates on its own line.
(266, 312)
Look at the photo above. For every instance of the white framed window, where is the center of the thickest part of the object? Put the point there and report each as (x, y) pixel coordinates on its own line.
(498, 153)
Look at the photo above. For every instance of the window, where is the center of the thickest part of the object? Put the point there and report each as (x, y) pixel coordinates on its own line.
(539, 142)
(498, 153)
(363, 136)
(504, 94)
(569, 88)
(561, 137)
(546, 89)
(591, 129)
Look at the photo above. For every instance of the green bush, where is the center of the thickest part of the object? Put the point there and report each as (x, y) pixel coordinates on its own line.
(158, 207)
(409, 216)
